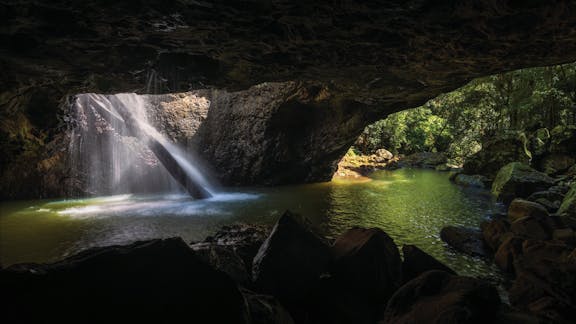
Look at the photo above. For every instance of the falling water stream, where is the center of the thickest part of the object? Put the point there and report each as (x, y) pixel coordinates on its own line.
(112, 157)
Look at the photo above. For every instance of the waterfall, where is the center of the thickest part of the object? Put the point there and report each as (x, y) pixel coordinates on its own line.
(114, 149)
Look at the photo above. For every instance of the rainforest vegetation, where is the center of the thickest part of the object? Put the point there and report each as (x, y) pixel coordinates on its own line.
(460, 121)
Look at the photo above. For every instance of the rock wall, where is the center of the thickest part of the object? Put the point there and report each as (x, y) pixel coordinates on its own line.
(372, 58)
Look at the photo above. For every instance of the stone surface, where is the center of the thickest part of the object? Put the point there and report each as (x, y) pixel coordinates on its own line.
(265, 309)
(493, 232)
(568, 207)
(466, 180)
(509, 251)
(415, 262)
(546, 281)
(496, 153)
(150, 281)
(290, 261)
(531, 227)
(520, 208)
(518, 180)
(439, 297)
(367, 270)
(372, 59)
(427, 160)
(464, 239)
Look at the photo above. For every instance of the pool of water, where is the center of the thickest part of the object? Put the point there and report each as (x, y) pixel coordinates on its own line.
(410, 205)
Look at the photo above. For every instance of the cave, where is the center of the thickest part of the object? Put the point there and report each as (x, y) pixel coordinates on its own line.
(180, 158)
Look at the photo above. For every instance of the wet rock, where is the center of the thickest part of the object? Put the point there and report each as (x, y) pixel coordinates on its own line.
(439, 297)
(463, 239)
(149, 281)
(508, 252)
(550, 206)
(478, 181)
(518, 180)
(366, 272)
(496, 153)
(417, 262)
(493, 232)
(520, 208)
(290, 260)
(532, 228)
(265, 309)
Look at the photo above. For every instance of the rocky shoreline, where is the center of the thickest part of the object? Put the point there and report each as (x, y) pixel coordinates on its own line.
(251, 274)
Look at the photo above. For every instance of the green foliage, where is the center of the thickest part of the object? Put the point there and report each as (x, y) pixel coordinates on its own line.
(458, 122)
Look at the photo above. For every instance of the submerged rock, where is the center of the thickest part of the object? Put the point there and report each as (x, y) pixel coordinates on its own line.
(478, 181)
(518, 180)
(417, 262)
(149, 281)
(440, 297)
(463, 239)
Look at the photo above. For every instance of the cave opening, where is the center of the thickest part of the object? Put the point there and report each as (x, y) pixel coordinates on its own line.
(226, 199)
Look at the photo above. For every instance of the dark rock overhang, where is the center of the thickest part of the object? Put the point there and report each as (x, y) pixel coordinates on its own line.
(390, 54)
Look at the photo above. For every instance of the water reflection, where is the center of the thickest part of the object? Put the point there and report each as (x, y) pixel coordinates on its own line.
(410, 205)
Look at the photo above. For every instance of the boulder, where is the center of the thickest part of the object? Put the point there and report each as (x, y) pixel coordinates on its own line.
(290, 260)
(553, 194)
(463, 239)
(383, 155)
(496, 153)
(265, 309)
(476, 180)
(518, 180)
(520, 208)
(428, 160)
(150, 281)
(508, 252)
(556, 163)
(550, 206)
(565, 235)
(568, 206)
(531, 228)
(493, 232)
(232, 249)
(367, 271)
(545, 282)
(440, 297)
(417, 262)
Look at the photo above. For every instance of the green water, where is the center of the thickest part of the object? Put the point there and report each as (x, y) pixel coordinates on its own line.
(410, 205)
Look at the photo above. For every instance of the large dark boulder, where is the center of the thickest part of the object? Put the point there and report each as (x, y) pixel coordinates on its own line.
(290, 261)
(568, 207)
(231, 250)
(546, 281)
(493, 232)
(265, 309)
(415, 262)
(518, 180)
(366, 272)
(520, 208)
(508, 252)
(440, 297)
(464, 239)
(150, 281)
(496, 153)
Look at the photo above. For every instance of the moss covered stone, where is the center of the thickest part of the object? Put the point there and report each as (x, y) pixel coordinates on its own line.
(518, 180)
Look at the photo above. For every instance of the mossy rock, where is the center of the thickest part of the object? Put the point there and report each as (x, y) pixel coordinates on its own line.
(568, 207)
(518, 180)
